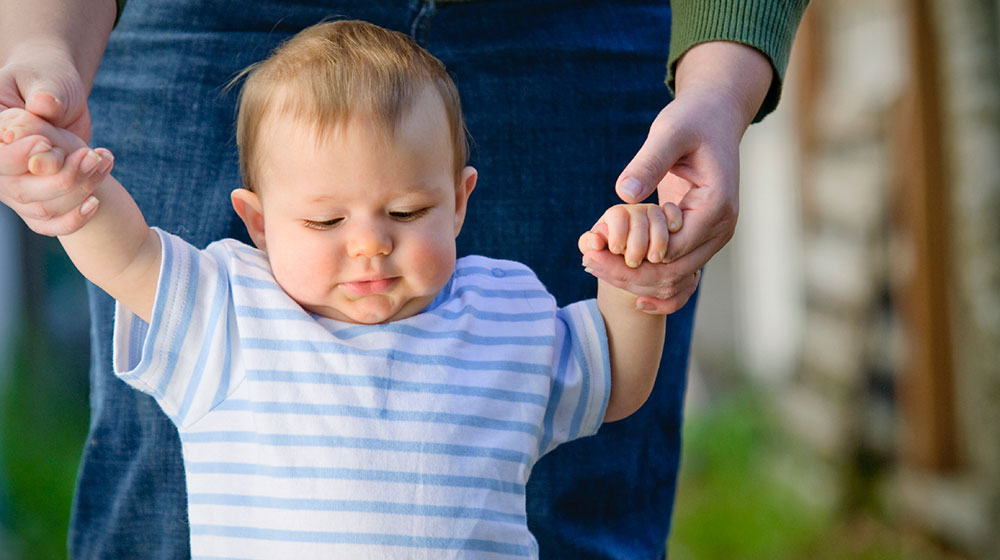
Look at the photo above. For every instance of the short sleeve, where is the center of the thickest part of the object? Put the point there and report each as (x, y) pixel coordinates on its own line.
(183, 357)
(581, 382)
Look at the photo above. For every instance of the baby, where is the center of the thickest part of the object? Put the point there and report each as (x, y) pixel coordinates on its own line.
(348, 388)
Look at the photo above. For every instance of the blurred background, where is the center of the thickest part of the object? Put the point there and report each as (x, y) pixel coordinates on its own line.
(844, 394)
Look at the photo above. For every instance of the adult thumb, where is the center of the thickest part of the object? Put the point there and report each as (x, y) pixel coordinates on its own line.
(658, 154)
(65, 107)
(60, 103)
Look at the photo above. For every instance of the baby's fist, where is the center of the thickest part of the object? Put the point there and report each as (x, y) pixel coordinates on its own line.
(636, 231)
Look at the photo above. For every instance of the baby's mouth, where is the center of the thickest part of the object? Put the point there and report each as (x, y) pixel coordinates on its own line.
(370, 286)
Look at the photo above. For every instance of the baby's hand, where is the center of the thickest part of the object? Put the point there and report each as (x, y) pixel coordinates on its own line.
(635, 231)
(32, 145)
(48, 175)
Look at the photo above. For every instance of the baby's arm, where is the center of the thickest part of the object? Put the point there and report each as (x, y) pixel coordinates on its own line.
(635, 339)
(115, 250)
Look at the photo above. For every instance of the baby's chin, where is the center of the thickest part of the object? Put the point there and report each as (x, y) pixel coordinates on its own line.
(373, 310)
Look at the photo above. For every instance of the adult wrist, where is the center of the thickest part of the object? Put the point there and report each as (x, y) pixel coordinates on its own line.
(733, 77)
(75, 30)
(766, 25)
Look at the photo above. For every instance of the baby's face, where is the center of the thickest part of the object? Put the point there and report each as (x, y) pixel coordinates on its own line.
(358, 229)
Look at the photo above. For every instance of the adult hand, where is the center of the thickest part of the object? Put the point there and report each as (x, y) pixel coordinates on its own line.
(691, 158)
(41, 77)
(24, 156)
(49, 53)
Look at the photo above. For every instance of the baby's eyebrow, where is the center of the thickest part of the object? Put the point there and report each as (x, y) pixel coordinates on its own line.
(323, 198)
(413, 190)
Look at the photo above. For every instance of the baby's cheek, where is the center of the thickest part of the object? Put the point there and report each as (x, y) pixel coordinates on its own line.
(432, 259)
(300, 277)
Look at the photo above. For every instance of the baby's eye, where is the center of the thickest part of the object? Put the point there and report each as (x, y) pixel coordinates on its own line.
(323, 225)
(409, 216)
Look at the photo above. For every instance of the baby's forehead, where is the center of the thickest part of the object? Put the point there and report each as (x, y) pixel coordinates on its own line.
(319, 127)
(325, 115)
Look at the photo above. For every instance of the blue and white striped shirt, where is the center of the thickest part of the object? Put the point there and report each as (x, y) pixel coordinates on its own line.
(305, 437)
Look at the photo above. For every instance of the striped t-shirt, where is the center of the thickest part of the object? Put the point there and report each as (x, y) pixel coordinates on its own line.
(306, 437)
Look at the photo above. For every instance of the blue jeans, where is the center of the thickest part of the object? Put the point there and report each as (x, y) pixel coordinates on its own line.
(558, 96)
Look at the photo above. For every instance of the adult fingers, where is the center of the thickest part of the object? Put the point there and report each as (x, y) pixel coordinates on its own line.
(658, 280)
(658, 306)
(673, 215)
(57, 99)
(704, 224)
(48, 85)
(663, 147)
(659, 234)
(73, 114)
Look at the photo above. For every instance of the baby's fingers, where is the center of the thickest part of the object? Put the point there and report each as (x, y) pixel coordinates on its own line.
(616, 220)
(15, 158)
(659, 234)
(46, 162)
(637, 241)
(593, 240)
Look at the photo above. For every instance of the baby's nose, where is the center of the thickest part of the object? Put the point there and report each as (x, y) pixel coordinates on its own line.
(368, 240)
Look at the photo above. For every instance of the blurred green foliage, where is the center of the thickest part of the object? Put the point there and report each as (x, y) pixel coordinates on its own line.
(43, 408)
(734, 504)
(43, 431)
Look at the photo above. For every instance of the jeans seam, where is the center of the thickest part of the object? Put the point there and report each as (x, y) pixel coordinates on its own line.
(422, 19)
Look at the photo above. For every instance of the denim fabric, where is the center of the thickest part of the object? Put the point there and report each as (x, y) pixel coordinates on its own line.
(558, 96)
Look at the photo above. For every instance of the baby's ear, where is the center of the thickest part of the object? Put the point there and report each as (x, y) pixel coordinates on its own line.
(248, 207)
(462, 192)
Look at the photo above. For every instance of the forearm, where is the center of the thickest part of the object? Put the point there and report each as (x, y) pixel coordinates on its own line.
(635, 342)
(79, 27)
(117, 251)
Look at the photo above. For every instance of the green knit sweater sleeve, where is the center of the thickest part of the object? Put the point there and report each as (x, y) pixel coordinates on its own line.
(766, 25)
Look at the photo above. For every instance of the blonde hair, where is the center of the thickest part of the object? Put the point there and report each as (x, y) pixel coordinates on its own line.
(334, 70)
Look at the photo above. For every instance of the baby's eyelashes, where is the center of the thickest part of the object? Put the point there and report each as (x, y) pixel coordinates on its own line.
(409, 216)
(323, 225)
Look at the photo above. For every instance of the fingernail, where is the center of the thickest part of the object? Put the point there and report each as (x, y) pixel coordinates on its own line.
(644, 306)
(90, 161)
(631, 187)
(631, 264)
(675, 225)
(39, 148)
(593, 245)
(589, 270)
(663, 255)
(54, 98)
(89, 206)
(587, 263)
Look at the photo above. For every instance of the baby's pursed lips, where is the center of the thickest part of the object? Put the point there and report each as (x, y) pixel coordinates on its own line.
(369, 286)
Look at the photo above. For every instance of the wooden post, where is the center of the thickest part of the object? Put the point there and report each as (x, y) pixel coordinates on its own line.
(926, 386)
